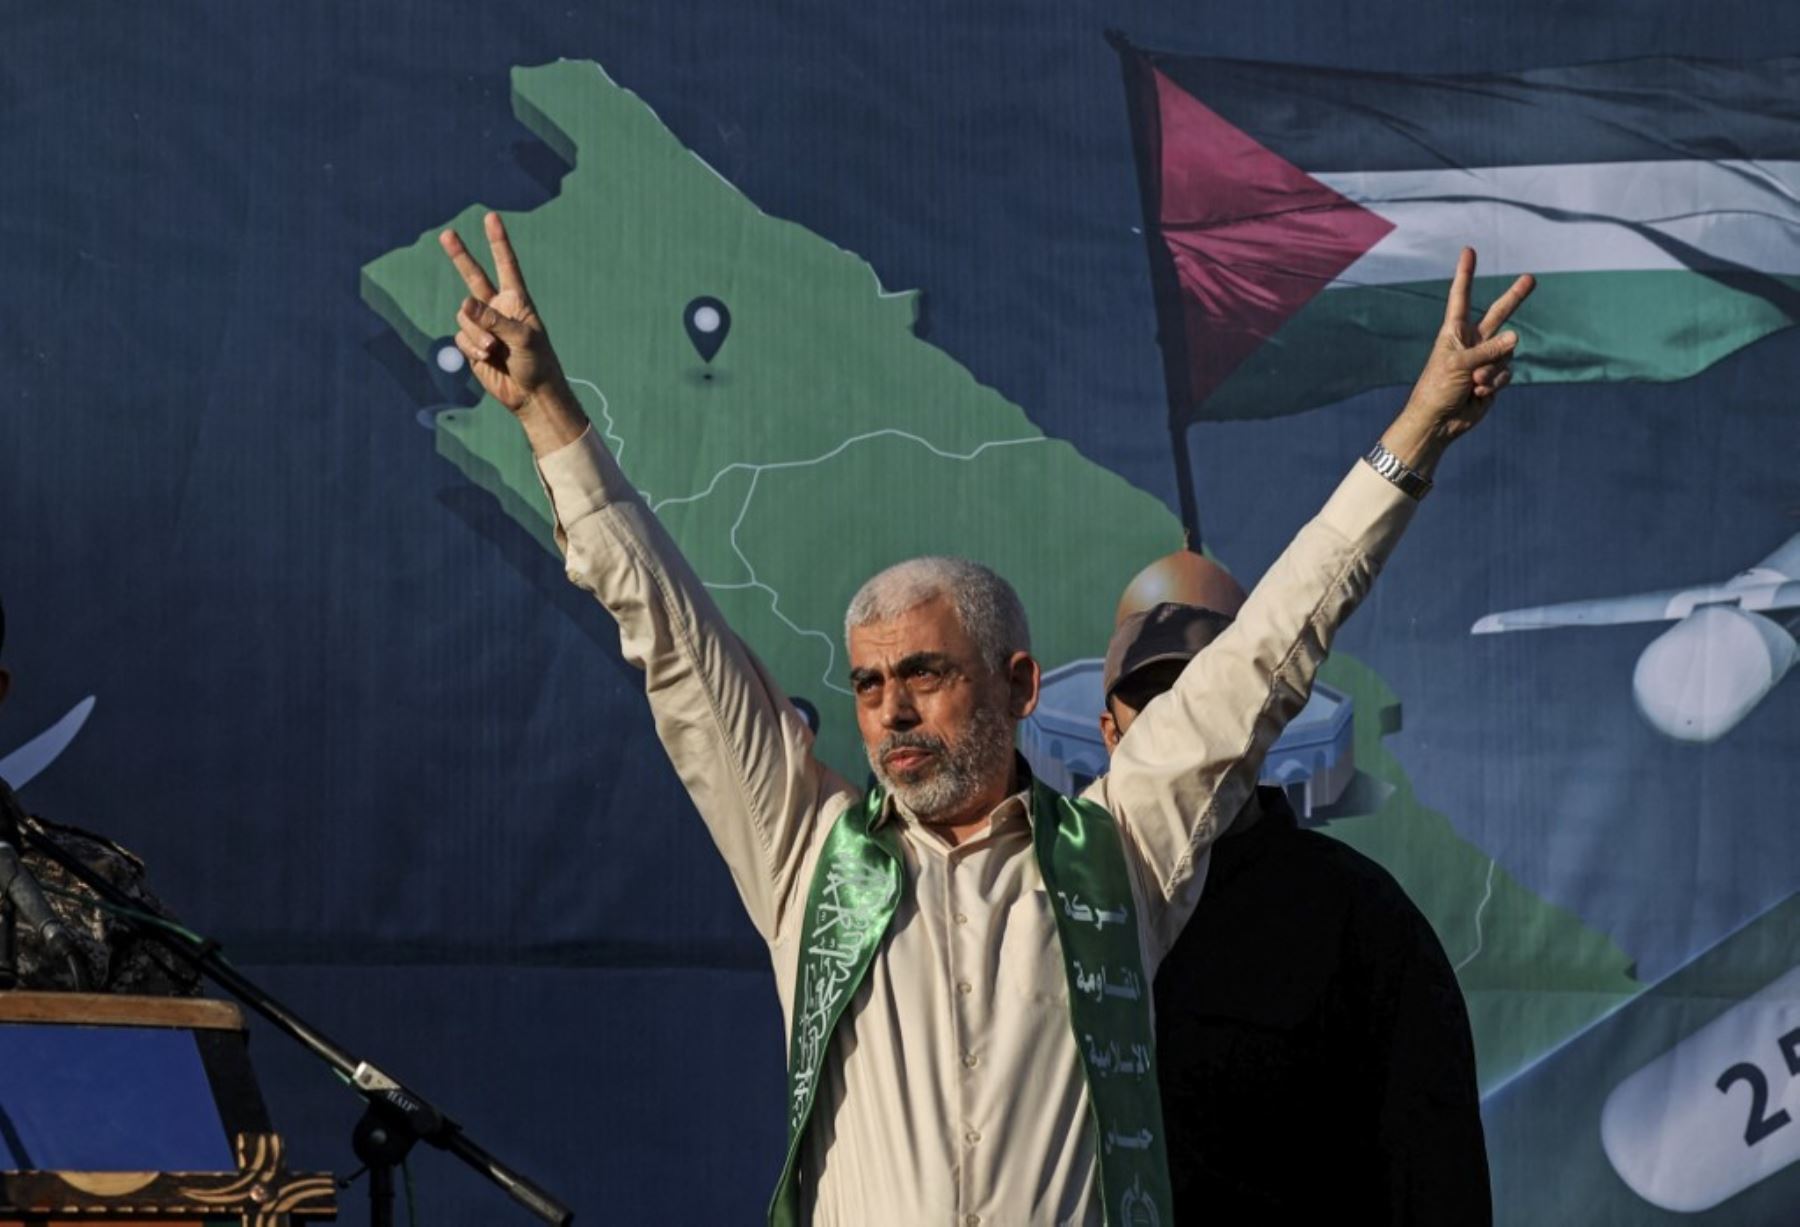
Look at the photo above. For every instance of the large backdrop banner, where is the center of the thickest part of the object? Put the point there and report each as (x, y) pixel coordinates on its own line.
(1057, 286)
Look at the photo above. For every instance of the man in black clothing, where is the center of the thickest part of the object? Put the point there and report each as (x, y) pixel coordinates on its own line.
(1312, 1043)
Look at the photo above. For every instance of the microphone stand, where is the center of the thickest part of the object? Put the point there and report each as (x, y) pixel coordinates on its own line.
(395, 1118)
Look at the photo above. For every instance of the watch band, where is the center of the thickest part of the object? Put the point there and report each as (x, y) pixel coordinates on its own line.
(1412, 483)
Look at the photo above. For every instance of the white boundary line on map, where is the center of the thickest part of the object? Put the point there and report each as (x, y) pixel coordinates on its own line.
(757, 470)
(609, 431)
(1479, 908)
(838, 450)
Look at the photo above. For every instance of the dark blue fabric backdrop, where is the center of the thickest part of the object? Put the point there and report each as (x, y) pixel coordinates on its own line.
(375, 743)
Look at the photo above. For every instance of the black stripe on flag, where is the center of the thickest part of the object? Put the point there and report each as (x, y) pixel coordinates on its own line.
(1332, 119)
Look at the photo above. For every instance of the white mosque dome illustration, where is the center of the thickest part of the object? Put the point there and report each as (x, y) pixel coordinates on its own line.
(1314, 760)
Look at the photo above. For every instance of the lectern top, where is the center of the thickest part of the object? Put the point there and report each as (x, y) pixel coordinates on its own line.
(139, 1110)
(119, 1010)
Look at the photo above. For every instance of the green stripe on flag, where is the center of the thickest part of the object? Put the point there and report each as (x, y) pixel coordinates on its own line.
(1649, 325)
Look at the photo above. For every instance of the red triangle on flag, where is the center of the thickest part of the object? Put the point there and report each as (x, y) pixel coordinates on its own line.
(1252, 236)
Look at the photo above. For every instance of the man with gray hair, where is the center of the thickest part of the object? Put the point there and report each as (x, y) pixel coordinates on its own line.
(927, 775)
(962, 955)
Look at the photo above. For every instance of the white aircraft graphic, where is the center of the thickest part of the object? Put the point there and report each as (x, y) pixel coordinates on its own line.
(1703, 675)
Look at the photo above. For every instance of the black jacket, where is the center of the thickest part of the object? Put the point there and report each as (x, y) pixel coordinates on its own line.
(1313, 1045)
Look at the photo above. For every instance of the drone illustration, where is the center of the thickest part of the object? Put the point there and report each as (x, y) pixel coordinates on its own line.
(1728, 648)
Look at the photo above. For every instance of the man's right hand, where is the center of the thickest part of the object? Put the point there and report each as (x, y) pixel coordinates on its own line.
(503, 338)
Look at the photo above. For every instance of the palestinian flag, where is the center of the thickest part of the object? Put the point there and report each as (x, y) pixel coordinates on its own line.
(1303, 222)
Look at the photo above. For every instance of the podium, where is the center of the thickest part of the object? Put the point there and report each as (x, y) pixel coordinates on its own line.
(144, 1110)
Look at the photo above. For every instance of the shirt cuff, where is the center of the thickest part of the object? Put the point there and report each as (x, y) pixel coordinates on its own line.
(580, 478)
(1369, 510)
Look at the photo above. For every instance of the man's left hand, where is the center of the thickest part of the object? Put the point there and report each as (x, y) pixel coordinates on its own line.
(1469, 365)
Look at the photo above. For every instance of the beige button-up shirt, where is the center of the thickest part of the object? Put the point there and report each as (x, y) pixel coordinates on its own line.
(953, 1093)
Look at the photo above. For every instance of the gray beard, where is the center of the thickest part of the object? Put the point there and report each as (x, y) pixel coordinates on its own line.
(957, 773)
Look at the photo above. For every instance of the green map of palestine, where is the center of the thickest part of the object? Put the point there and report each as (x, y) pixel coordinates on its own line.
(827, 440)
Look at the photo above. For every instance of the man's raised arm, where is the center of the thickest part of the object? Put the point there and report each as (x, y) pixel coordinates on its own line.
(742, 750)
(1191, 758)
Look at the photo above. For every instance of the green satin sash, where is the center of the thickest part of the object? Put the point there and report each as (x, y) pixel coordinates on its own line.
(854, 894)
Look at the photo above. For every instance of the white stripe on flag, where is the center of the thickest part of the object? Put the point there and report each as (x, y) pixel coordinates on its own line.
(1588, 217)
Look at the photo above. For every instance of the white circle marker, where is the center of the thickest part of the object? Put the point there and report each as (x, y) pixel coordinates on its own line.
(706, 319)
(450, 359)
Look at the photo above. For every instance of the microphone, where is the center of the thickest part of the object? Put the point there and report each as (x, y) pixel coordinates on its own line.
(21, 896)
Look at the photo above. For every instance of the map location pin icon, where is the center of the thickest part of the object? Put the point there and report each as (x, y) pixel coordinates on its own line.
(708, 321)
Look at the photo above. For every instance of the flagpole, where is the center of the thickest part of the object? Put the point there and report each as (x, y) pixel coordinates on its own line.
(1184, 482)
(1170, 331)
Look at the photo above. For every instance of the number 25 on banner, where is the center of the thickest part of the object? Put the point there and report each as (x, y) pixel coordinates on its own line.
(1762, 1122)
(1681, 1134)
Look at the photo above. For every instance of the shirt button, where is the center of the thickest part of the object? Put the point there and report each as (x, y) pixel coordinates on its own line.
(962, 918)
(972, 1136)
(970, 1060)
(964, 987)
(971, 1220)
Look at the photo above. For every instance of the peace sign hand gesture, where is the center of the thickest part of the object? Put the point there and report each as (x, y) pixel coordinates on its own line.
(499, 331)
(1469, 364)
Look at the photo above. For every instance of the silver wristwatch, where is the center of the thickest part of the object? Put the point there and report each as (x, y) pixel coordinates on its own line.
(1412, 483)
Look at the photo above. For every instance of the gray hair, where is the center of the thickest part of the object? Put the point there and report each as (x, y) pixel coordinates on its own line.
(987, 606)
